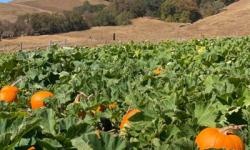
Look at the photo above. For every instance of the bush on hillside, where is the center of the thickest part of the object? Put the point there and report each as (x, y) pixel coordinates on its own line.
(104, 18)
(211, 7)
(153, 7)
(9, 29)
(179, 11)
(44, 23)
(124, 18)
(87, 7)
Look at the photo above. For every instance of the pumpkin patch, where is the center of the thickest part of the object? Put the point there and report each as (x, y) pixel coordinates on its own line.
(172, 96)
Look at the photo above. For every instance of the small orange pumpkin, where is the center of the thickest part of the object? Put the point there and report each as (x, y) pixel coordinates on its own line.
(112, 106)
(31, 148)
(100, 108)
(129, 114)
(37, 100)
(158, 71)
(8, 94)
(219, 138)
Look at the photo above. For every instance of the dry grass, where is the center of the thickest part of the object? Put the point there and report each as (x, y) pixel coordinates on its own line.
(56, 5)
(234, 21)
(10, 11)
(142, 29)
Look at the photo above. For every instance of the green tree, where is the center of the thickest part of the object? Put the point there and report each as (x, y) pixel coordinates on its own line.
(104, 18)
(123, 18)
(87, 7)
(153, 7)
(180, 11)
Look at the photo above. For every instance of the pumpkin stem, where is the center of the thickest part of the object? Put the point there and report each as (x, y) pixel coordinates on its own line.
(77, 99)
(82, 94)
(90, 96)
(231, 129)
(14, 83)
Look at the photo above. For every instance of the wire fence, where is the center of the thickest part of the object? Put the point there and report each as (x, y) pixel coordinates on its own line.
(61, 43)
(37, 46)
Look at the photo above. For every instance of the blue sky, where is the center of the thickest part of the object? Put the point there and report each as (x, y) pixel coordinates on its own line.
(4, 1)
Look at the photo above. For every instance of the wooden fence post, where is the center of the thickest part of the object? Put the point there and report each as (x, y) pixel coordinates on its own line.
(50, 43)
(21, 46)
(114, 37)
(65, 42)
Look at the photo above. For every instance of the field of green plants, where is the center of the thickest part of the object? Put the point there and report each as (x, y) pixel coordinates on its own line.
(179, 87)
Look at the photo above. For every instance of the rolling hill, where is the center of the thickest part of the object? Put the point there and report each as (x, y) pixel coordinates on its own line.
(233, 21)
(55, 5)
(10, 11)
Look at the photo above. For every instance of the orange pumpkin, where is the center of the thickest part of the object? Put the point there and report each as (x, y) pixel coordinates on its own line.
(100, 108)
(112, 106)
(127, 116)
(158, 71)
(219, 138)
(37, 100)
(31, 148)
(8, 94)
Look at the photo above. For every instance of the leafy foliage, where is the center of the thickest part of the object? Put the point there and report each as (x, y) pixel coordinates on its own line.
(180, 11)
(201, 83)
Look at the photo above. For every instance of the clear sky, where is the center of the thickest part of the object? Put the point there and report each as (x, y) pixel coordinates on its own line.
(4, 1)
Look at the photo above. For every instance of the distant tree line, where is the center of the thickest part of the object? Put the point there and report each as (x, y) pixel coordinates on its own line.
(43, 23)
(118, 12)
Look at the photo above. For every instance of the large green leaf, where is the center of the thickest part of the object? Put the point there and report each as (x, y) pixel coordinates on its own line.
(105, 142)
(80, 144)
(206, 114)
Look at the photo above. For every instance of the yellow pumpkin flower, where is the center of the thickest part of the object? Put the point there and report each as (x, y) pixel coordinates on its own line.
(200, 49)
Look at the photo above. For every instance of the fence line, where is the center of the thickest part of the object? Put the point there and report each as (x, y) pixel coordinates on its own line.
(22, 46)
(61, 43)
